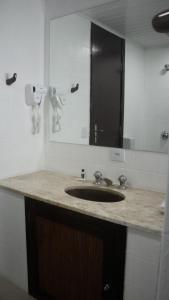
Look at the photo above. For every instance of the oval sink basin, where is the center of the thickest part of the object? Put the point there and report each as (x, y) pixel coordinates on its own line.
(95, 194)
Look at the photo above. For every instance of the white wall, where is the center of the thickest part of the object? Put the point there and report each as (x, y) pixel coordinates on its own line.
(56, 8)
(157, 98)
(142, 265)
(22, 51)
(146, 97)
(134, 104)
(13, 257)
(163, 287)
(70, 64)
(143, 169)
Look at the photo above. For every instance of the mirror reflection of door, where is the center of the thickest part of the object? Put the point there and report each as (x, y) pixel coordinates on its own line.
(107, 84)
(146, 92)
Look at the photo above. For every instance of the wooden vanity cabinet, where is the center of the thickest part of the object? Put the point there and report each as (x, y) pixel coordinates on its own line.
(72, 256)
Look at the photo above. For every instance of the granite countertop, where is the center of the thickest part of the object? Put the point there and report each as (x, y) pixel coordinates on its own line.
(140, 209)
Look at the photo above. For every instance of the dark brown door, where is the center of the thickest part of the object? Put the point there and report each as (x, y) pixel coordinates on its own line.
(72, 256)
(107, 84)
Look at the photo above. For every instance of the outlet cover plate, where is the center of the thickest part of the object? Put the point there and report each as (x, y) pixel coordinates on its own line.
(118, 155)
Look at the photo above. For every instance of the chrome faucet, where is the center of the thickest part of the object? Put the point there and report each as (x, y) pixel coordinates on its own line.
(123, 180)
(99, 180)
(98, 177)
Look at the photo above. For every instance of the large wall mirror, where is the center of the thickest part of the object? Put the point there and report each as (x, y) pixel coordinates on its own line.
(109, 77)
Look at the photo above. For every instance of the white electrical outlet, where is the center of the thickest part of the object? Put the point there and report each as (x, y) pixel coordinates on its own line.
(118, 155)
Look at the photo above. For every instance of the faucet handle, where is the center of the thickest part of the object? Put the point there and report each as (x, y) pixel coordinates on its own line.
(98, 177)
(108, 181)
(122, 179)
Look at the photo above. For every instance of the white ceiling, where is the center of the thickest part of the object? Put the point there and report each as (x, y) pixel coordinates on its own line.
(132, 19)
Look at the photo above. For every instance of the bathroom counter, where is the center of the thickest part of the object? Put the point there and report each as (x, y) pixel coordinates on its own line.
(140, 209)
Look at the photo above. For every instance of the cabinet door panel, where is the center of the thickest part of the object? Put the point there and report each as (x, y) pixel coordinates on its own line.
(69, 262)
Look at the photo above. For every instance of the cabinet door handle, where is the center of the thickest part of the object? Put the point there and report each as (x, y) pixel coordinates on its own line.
(96, 131)
(106, 287)
(95, 134)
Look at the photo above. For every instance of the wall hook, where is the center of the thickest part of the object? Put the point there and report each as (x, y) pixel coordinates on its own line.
(11, 80)
(166, 67)
(74, 88)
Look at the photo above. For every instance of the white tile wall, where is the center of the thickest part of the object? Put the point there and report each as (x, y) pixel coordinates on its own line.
(143, 169)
